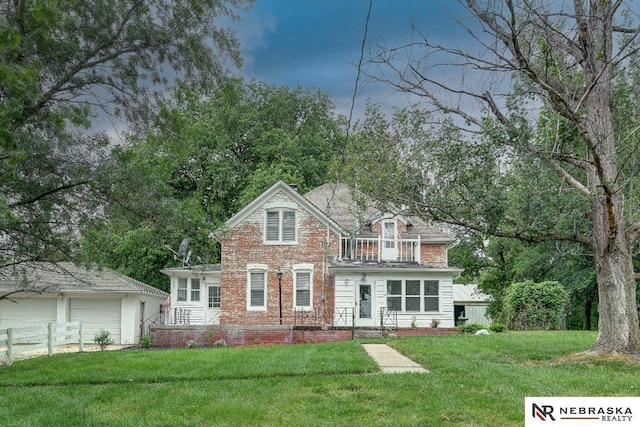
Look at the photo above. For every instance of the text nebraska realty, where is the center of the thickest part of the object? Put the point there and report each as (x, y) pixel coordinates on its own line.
(603, 413)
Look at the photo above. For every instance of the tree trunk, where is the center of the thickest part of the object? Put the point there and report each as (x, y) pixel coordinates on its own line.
(618, 331)
(588, 305)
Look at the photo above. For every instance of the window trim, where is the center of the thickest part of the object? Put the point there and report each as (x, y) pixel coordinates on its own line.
(184, 290)
(302, 269)
(280, 210)
(257, 269)
(195, 291)
(422, 295)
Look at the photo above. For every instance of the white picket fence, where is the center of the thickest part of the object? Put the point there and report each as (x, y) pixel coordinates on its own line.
(30, 338)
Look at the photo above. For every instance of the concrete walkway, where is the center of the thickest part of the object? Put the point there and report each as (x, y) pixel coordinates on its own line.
(390, 361)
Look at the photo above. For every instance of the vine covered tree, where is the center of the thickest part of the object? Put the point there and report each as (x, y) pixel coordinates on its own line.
(555, 159)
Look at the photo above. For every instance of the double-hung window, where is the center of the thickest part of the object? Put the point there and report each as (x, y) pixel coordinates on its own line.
(302, 289)
(431, 300)
(412, 295)
(195, 289)
(394, 295)
(183, 285)
(257, 288)
(280, 226)
(188, 289)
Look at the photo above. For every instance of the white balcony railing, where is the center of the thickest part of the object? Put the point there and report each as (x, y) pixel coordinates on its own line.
(379, 249)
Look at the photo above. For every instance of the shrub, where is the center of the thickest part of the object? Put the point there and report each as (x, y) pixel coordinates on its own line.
(103, 339)
(530, 305)
(471, 328)
(220, 343)
(146, 341)
(498, 328)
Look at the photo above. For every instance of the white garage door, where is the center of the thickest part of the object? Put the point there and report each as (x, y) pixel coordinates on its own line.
(97, 314)
(27, 312)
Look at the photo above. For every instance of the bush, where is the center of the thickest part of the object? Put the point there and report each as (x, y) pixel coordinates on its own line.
(220, 343)
(103, 339)
(471, 328)
(530, 305)
(498, 328)
(146, 341)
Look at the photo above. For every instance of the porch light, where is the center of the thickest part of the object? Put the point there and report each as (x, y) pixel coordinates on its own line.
(279, 274)
(364, 277)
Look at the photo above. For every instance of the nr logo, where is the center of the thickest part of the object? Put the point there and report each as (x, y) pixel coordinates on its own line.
(543, 412)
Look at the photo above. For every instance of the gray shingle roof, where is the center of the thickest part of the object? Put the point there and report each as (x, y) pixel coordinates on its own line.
(338, 202)
(66, 276)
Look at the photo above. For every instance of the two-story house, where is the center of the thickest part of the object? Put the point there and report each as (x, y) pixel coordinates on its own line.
(318, 258)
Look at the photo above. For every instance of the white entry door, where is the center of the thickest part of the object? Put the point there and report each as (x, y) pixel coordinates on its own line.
(389, 250)
(366, 308)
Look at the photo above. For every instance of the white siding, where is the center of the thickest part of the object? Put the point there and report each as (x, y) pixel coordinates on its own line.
(27, 312)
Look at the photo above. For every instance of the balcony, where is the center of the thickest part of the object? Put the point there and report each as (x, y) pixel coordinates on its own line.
(377, 249)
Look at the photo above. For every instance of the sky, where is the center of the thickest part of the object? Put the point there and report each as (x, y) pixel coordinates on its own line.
(317, 43)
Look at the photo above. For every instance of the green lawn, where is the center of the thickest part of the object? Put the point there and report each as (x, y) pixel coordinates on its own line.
(474, 381)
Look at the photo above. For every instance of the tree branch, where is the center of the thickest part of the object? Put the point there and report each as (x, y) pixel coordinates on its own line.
(48, 193)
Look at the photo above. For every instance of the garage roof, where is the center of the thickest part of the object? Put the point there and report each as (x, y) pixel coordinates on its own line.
(67, 276)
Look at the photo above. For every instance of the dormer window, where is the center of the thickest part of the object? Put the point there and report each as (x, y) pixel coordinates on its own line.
(280, 226)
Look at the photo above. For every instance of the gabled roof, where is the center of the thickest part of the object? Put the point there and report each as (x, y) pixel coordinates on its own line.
(67, 276)
(338, 202)
(259, 201)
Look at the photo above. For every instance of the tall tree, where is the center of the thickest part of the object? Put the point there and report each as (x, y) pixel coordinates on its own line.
(201, 161)
(64, 63)
(558, 128)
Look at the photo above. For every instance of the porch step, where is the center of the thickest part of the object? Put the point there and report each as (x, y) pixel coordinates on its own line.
(367, 333)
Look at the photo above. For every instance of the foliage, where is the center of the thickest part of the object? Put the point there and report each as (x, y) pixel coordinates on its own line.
(66, 68)
(146, 341)
(530, 305)
(471, 328)
(103, 339)
(199, 162)
(219, 343)
(319, 384)
(547, 156)
(498, 262)
(498, 328)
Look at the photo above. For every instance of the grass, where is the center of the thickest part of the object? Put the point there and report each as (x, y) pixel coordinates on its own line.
(474, 381)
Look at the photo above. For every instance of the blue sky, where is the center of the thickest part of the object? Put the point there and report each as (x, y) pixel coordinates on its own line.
(316, 43)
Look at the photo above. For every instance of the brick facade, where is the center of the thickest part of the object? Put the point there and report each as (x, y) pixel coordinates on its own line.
(244, 245)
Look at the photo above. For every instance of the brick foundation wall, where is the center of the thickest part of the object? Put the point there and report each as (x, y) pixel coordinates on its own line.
(206, 336)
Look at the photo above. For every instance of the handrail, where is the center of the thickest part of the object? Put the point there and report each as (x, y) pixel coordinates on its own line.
(378, 249)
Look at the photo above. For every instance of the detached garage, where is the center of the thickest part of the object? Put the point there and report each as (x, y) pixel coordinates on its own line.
(64, 292)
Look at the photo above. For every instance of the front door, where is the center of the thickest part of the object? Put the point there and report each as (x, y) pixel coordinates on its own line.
(366, 309)
(389, 244)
